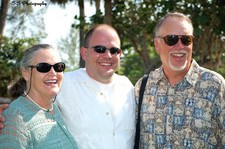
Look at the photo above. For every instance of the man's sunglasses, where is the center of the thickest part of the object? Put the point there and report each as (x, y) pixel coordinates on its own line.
(171, 40)
(102, 49)
(45, 67)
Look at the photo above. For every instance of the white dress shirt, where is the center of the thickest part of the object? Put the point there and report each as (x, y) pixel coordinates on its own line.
(99, 116)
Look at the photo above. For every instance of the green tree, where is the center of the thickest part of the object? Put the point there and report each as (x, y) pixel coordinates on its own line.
(16, 40)
(135, 21)
(3, 13)
(10, 56)
(69, 50)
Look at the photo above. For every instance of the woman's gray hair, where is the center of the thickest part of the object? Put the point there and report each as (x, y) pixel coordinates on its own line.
(29, 54)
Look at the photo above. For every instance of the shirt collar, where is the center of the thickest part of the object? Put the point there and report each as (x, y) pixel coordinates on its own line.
(193, 73)
(191, 76)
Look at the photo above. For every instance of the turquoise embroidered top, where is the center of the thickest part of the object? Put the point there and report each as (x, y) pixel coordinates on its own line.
(27, 126)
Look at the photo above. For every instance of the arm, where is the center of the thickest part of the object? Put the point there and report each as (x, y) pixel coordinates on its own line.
(15, 133)
(2, 119)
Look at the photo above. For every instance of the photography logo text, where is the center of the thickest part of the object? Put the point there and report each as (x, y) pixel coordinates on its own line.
(26, 3)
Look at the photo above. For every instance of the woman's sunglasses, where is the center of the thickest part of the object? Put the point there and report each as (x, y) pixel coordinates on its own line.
(171, 40)
(45, 67)
(102, 49)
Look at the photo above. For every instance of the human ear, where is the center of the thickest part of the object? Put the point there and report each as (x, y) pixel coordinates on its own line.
(156, 44)
(83, 53)
(25, 74)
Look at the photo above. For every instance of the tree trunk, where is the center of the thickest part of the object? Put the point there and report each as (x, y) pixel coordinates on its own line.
(141, 48)
(82, 21)
(108, 12)
(3, 13)
(97, 6)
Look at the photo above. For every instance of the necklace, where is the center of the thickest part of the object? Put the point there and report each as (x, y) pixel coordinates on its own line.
(44, 109)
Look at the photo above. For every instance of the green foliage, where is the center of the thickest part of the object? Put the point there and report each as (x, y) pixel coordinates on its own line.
(11, 53)
(129, 65)
(23, 22)
(24, 27)
(135, 21)
(68, 50)
(98, 17)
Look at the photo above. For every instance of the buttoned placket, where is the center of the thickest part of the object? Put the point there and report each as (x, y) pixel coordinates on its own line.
(109, 111)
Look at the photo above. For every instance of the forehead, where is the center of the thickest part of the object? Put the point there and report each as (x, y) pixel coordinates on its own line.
(46, 55)
(105, 36)
(176, 25)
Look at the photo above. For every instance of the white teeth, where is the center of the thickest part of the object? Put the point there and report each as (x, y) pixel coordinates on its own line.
(50, 81)
(106, 64)
(178, 54)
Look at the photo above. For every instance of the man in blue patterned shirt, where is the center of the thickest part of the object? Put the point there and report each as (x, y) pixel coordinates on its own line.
(183, 104)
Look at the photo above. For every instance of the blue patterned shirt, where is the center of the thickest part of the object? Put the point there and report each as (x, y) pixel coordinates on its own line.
(190, 114)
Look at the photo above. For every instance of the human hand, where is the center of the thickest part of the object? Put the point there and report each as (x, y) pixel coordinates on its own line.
(2, 119)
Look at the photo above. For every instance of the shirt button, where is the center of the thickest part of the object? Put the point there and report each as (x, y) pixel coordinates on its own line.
(107, 113)
(101, 94)
(64, 126)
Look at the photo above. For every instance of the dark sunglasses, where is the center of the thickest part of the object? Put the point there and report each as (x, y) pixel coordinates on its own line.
(102, 49)
(45, 67)
(171, 40)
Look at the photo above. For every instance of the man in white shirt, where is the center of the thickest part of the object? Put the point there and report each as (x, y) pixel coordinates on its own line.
(98, 105)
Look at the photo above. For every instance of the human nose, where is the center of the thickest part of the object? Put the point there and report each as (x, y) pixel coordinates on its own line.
(52, 70)
(179, 44)
(107, 53)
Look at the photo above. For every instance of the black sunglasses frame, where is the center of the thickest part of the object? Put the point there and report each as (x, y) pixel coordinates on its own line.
(45, 67)
(172, 40)
(102, 49)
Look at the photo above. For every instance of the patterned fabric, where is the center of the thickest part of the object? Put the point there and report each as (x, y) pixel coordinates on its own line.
(27, 126)
(187, 115)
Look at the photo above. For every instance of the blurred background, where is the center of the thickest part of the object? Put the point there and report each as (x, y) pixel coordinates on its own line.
(63, 24)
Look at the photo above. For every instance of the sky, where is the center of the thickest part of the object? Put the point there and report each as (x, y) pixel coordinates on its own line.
(57, 20)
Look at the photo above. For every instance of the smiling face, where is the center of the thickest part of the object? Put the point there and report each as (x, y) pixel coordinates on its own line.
(175, 59)
(43, 85)
(102, 66)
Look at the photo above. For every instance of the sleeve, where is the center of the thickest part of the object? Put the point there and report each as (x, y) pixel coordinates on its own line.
(136, 93)
(222, 115)
(15, 134)
(137, 89)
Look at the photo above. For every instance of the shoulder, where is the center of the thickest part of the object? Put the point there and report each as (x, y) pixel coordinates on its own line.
(121, 79)
(19, 109)
(73, 74)
(204, 77)
(206, 73)
(73, 77)
(213, 79)
(16, 113)
(153, 77)
(79, 75)
(140, 81)
(16, 106)
(210, 75)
